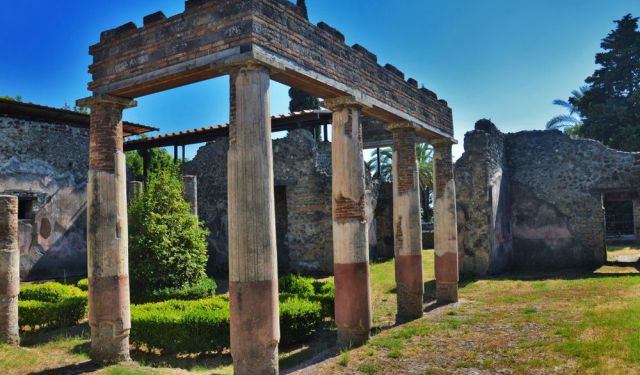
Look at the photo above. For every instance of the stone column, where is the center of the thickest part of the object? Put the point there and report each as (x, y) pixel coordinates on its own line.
(253, 273)
(107, 232)
(445, 232)
(134, 188)
(407, 226)
(190, 192)
(350, 237)
(9, 270)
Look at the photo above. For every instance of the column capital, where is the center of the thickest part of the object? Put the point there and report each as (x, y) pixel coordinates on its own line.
(393, 126)
(248, 66)
(100, 99)
(340, 102)
(442, 142)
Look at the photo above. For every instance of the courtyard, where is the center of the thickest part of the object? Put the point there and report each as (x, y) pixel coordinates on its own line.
(566, 321)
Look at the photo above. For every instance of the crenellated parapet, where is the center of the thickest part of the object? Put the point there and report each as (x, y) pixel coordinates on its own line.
(211, 36)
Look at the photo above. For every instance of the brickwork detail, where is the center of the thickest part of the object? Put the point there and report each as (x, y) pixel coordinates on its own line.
(348, 209)
(168, 52)
(105, 136)
(443, 166)
(404, 147)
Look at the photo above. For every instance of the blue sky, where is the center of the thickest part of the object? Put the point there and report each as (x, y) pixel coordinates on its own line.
(501, 59)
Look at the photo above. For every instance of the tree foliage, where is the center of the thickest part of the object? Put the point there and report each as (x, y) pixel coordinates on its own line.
(424, 157)
(571, 122)
(16, 98)
(167, 244)
(158, 159)
(610, 108)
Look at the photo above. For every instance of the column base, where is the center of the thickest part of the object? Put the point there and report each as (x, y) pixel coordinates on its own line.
(255, 326)
(353, 303)
(446, 292)
(108, 346)
(409, 287)
(9, 330)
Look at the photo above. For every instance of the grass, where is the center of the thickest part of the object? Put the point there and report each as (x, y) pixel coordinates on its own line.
(568, 321)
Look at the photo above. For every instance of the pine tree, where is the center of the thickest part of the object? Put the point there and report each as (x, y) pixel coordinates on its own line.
(611, 106)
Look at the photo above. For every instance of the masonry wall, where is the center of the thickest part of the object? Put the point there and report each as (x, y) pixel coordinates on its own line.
(46, 164)
(302, 173)
(484, 236)
(550, 210)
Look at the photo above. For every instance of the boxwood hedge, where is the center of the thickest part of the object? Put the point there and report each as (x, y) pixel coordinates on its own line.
(50, 305)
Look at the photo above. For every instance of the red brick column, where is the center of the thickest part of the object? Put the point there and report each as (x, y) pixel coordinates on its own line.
(9, 270)
(407, 228)
(350, 237)
(107, 231)
(253, 273)
(445, 232)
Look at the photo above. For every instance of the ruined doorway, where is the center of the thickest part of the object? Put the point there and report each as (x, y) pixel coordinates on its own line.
(619, 220)
(282, 226)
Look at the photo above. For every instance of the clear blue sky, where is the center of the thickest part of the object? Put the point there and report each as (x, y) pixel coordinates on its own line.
(501, 59)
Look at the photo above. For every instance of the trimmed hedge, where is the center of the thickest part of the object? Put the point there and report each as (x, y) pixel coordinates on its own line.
(202, 290)
(83, 284)
(48, 292)
(295, 284)
(180, 327)
(51, 305)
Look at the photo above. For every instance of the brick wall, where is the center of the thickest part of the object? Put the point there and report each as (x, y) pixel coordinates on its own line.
(168, 52)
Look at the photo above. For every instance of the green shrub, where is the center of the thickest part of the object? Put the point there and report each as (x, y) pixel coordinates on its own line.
(204, 289)
(295, 284)
(48, 292)
(42, 314)
(180, 327)
(167, 243)
(51, 305)
(83, 284)
(299, 319)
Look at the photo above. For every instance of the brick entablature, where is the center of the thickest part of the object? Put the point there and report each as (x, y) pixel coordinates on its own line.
(404, 146)
(176, 50)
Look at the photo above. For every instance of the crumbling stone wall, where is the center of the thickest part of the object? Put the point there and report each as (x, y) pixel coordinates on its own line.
(46, 164)
(484, 237)
(303, 169)
(549, 209)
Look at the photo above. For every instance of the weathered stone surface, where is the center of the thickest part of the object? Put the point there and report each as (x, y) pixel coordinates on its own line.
(9, 270)
(482, 189)
(190, 192)
(45, 164)
(253, 271)
(550, 212)
(107, 234)
(302, 178)
(445, 233)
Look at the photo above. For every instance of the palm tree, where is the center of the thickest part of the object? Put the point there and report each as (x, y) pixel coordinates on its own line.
(569, 123)
(424, 156)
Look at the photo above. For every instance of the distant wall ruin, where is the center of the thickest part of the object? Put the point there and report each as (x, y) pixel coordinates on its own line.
(302, 173)
(534, 199)
(45, 164)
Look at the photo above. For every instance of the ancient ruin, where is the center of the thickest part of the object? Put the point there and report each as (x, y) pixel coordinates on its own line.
(254, 41)
(537, 199)
(44, 159)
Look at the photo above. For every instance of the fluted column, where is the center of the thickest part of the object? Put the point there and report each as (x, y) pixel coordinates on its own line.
(9, 270)
(107, 231)
(445, 231)
(407, 229)
(350, 237)
(253, 274)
